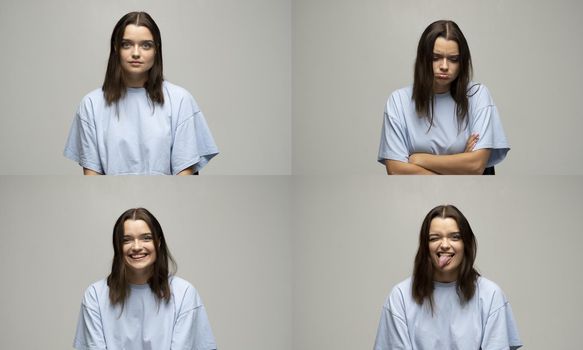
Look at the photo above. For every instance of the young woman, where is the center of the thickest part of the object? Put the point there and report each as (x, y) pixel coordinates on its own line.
(138, 123)
(141, 305)
(444, 123)
(446, 304)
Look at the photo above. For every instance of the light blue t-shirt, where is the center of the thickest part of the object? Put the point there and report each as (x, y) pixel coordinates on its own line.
(485, 322)
(143, 139)
(182, 323)
(405, 133)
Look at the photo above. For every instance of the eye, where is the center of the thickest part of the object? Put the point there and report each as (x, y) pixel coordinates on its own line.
(454, 58)
(126, 45)
(127, 239)
(148, 238)
(433, 239)
(147, 45)
(456, 237)
(436, 58)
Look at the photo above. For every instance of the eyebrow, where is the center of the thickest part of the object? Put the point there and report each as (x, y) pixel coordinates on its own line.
(447, 234)
(140, 235)
(140, 42)
(441, 55)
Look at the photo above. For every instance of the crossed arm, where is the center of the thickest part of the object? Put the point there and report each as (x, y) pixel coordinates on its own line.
(469, 162)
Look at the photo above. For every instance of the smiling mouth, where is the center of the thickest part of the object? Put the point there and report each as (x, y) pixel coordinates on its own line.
(138, 256)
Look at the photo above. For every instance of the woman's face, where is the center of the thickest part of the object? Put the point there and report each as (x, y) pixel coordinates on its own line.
(139, 250)
(446, 249)
(446, 64)
(137, 54)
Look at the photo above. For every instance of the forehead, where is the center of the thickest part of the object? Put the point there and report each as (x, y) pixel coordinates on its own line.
(443, 225)
(135, 227)
(444, 46)
(137, 33)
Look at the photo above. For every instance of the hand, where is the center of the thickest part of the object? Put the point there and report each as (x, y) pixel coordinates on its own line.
(471, 143)
(414, 158)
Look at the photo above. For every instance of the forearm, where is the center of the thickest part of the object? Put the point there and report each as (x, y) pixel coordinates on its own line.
(395, 167)
(90, 172)
(187, 171)
(467, 163)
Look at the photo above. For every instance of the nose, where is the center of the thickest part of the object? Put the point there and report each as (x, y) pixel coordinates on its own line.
(136, 51)
(443, 65)
(137, 245)
(445, 244)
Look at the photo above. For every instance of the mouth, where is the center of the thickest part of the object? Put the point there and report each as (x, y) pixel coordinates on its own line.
(442, 76)
(138, 257)
(444, 258)
(135, 63)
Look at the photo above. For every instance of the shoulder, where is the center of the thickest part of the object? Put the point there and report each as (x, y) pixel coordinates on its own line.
(181, 286)
(479, 93)
(180, 99)
(400, 102)
(92, 100)
(184, 291)
(95, 292)
(402, 94)
(402, 290)
(175, 90)
(490, 292)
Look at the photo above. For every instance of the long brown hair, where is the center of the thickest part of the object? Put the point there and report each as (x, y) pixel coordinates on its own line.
(423, 269)
(424, 76)
(119, 288)
(114, 87)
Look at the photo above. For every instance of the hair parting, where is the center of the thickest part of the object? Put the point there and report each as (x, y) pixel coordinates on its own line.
(164, 265)
(114, 87)
(423, 284)
(423, 93)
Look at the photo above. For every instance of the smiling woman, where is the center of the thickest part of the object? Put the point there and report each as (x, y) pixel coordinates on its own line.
(444, 123)
(446, 304)
(141, 304)
(138, 123)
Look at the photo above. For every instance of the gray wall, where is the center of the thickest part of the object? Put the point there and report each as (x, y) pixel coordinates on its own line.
(230, 237)
(348, 56)
(233, 56)
(354, 238)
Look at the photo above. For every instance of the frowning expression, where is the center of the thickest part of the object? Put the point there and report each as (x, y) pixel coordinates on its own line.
(446, 249)
(446, 66)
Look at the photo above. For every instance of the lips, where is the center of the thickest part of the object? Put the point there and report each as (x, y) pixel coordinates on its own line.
(444, 258)
(442, 76)
(139, 256)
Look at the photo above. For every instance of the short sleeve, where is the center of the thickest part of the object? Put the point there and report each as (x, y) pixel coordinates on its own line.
(500, 331)
(192, 330)
(393, 333)
(193, 143)
(486, 123)
(89, 334)
(393, 135)
(81, 145)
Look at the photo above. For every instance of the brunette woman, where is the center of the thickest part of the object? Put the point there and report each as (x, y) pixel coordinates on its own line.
(446, 304)
(444, 123)
(138, 123)
(141, 304)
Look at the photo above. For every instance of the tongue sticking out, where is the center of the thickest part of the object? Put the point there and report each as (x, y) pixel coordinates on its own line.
(444, 260)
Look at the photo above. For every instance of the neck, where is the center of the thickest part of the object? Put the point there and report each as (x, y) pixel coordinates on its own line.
(444, 277)
(135, 81)
(139, 278)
